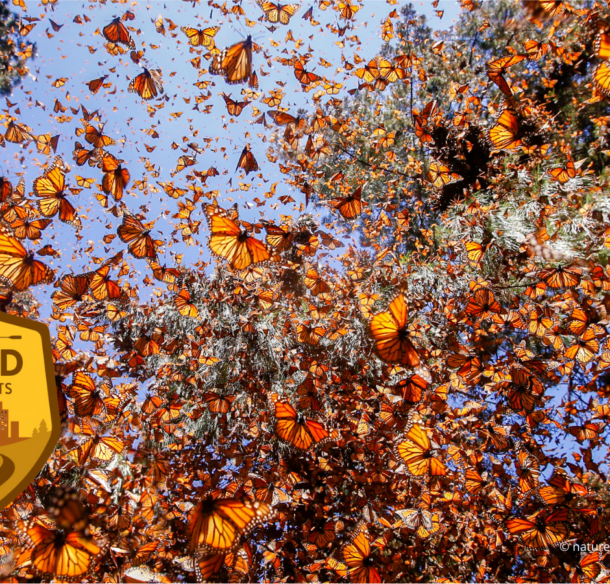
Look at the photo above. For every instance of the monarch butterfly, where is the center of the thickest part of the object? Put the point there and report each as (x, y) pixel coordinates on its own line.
(96, 138)
(523, 392)
(310, 334)
(45, 143)
(95, 84)
(424, 522)
(417, 452)
(563, 175)
(528, 469)
(482, 303)
(82, 155)
(350, 206)
(231, 242)
(602, 45)
(234, 63)
(247, 161)
(540, 322)
(29, 227)
(199, 37)
(588, 431)
(218, 524)
(184, 305)
(116, 178)
(278, 237)
(18, 268)
(475, 483)
(411, 389)
(389, 329)
(536, 50)
(562, 276)
(219, 404)
(347, 9)
(503, 136)
(278, 12)
(391, 72)
(6, 189)
(88, 400)
(234, 107)
(286, 119)
(540, 530)
(308, 395)
(303, 76)
(163, 273)
(294, 428)
(99, 449)
(19, 133)
(561, 491)
(132, 232)
(588, 568)
(65, 507)
(147, 84)
(440, 175)
(117, 33)
(543, 10)
(64, 555)
(50, 188)
(315, 283)
(357, 556)
(496, 70)
(102, 287)
(64, 343)
(147, 346)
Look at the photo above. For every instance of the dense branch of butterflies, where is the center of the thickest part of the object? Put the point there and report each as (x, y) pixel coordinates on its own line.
(309, 423)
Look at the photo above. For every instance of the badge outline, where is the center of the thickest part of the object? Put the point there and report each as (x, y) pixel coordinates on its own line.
(48, 450)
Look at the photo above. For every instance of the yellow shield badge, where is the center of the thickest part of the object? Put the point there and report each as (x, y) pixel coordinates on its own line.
(29, 414)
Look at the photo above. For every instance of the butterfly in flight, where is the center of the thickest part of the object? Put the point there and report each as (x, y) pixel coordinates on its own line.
(234, 107)
(116, 178)
(234, 63)
(117, 33)
(503, 135)
(50, 188)
(147, 84)
(275, 13)
(201, 38)
(133, 232)
(305, 77)
(350, 206)
(232, 242)
(247, 161)
(18, 268)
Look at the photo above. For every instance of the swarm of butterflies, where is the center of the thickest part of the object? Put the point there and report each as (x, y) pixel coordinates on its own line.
(296, 407)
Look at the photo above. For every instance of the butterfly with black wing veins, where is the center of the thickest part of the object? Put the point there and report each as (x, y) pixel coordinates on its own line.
(232, 242)
(234, 63)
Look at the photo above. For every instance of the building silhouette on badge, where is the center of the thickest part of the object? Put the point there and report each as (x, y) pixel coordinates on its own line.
(4, 429)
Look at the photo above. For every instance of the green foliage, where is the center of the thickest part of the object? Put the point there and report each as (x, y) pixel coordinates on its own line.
(14, 50)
